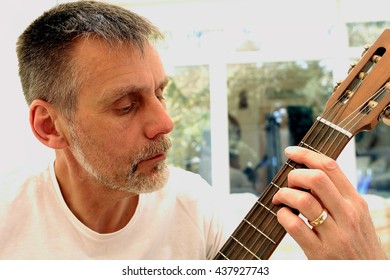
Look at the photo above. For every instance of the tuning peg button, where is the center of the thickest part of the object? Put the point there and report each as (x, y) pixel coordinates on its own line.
(366, 47)
(362, 75)
(351, 67)
(376, 58)
(336, 85)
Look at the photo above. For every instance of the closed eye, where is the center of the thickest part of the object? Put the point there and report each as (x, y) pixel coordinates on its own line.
(125, 110)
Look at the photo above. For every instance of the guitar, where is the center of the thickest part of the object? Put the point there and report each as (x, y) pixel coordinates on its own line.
(357, 103)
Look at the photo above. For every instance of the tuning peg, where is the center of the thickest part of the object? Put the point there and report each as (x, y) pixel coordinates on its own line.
(351, 66)
(336, 85)
(376, 58)
(385, 116)
(366, 47)
(362, 75)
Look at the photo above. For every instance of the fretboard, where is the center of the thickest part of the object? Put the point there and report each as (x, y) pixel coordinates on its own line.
(259, 233)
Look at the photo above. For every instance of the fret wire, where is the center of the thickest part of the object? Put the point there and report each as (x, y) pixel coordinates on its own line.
(245, 232)
(269, 229)
(243, 246)
(259, 231)
(290, 165)
(258, 202)
(310, 147)
(259, 220)
(266, 243)
(252, 239)
(254, 243)
(222, 255)
(281, 232)
(264, 223)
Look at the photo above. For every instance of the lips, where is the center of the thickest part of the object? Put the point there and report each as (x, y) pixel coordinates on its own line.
(157, 155)
(153, 160)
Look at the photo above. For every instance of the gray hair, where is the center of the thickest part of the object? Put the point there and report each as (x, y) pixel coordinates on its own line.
(47, 69)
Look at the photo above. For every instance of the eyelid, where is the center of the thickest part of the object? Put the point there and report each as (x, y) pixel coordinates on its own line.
(125, 110)
(160, 94)
(126, 104)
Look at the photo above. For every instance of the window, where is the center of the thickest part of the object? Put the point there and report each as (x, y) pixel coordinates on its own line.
(271, 105)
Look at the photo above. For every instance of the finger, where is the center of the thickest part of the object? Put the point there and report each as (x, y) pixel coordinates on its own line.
(303, 201)
(299, 231)
(320, 187)
(315, 160)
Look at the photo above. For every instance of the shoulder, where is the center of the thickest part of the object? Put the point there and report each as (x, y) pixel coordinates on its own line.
(23, 180)
(180, 176)
(188, 185)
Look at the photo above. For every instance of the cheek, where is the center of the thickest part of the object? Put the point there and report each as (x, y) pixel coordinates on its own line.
(113, 138)
(117, 144)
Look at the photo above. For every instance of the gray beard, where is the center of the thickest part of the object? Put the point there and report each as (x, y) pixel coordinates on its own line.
(135, 182)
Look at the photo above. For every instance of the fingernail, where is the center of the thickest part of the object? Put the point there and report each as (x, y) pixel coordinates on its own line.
(291, 149)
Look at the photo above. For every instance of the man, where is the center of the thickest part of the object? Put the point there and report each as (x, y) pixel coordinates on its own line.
(94, 83)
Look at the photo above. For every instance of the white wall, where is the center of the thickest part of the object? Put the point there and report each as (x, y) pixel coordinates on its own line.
(17, 143)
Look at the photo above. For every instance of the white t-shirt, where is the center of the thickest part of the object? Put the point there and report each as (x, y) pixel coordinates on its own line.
(177, 222)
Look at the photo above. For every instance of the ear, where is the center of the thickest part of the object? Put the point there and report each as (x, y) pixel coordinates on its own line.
(45, 123)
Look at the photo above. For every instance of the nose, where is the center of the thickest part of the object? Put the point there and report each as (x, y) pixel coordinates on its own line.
(157, 120)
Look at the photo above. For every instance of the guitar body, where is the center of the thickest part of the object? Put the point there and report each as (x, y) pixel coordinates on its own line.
(358, 103)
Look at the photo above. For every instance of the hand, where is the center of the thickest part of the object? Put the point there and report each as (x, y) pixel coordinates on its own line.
(347, 232)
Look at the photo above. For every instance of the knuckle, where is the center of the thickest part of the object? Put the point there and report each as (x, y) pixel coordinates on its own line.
(318, 177)
(329, 164)
(295, 227)
(307, 201)
(361, 203)
(353, 220)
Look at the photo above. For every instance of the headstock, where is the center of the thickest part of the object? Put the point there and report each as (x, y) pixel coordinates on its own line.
(362, 99)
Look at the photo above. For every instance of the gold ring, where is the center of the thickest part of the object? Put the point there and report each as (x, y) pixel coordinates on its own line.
(321, 218)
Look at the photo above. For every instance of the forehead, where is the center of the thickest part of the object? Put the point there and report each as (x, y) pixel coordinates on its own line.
(94, 54)
(104, 67)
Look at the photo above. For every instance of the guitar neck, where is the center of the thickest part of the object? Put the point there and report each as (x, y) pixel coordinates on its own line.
(259, 234)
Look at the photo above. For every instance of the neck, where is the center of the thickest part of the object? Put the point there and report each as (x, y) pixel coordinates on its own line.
(101, 209)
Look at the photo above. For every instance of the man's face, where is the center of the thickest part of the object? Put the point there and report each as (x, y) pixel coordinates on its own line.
(119, 131)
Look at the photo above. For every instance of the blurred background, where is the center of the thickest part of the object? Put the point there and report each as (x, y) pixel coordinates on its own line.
(247, 79)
